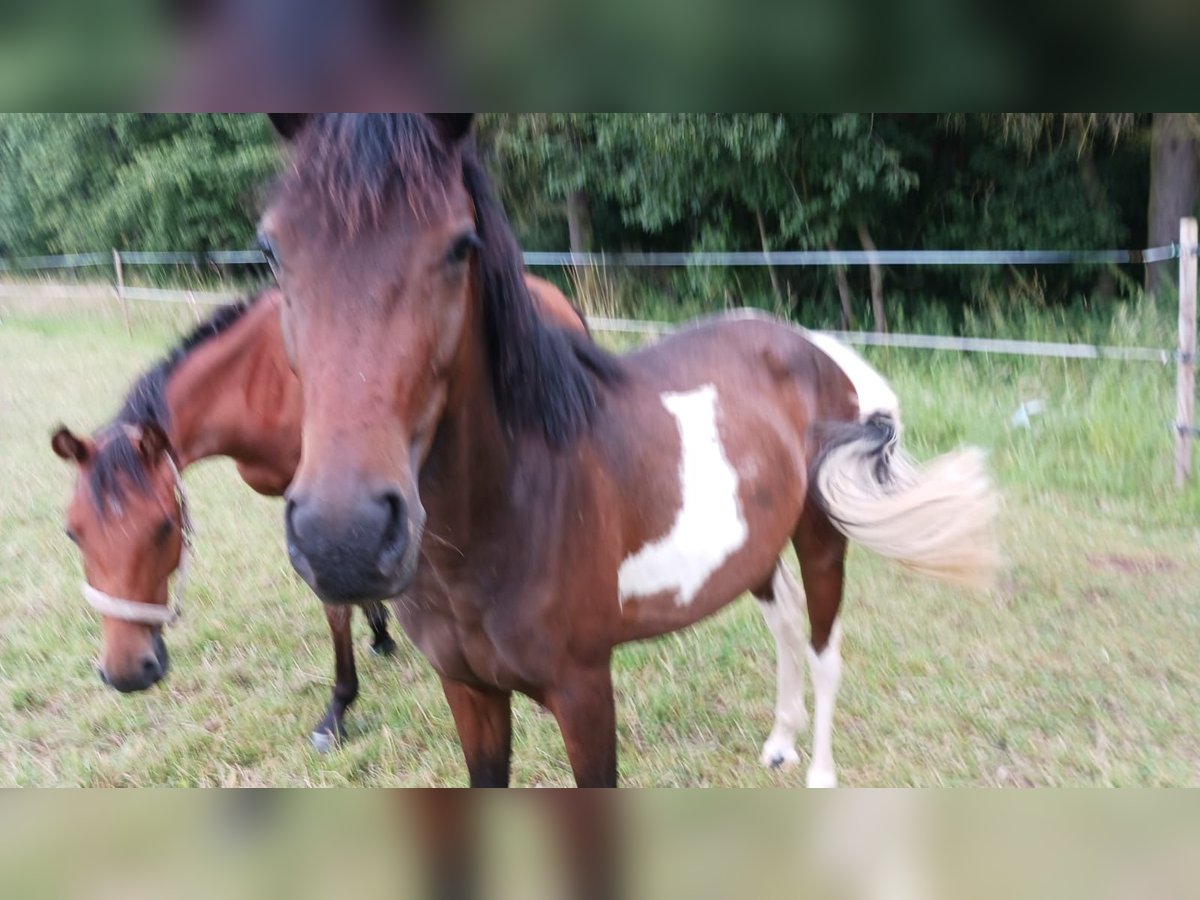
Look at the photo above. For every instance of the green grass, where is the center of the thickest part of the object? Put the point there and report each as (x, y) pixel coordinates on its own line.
(1080, 669)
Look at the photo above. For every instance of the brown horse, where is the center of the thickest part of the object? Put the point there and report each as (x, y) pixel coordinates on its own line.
(539, 502)
(226, 391)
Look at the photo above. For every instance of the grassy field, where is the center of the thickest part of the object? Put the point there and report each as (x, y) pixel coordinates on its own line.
(1082, 668)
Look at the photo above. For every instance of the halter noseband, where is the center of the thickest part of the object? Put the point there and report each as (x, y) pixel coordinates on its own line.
(139, 611)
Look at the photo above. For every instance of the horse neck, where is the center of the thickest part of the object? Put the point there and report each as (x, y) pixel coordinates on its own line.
(211, 394)
(466, 479)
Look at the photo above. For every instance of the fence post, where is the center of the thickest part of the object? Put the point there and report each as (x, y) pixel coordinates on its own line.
(1185, 381)
(121, 288)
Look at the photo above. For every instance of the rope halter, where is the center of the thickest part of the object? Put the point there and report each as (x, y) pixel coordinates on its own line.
(141, 612)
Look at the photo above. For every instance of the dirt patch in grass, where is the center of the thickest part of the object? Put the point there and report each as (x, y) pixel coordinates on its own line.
(1132, 565)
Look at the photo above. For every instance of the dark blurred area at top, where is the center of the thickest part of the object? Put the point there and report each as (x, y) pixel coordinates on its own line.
(246, 55)
(641, 54)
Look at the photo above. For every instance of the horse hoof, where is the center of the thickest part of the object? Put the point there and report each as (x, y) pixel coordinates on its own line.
(779, 755)
(323, 741)
(384, 648)
(821, 779)
(779, 761)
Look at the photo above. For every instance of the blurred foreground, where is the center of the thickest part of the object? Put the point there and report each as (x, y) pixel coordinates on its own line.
(588, 845)
(209, 54)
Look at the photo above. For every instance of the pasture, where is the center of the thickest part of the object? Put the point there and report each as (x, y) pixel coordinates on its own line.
(1081, 668)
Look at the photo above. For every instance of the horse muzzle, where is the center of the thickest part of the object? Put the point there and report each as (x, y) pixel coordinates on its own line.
(351, 553)
(144, 673)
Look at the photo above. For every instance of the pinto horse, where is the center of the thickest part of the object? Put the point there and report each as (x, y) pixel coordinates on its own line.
(226, 390)
(538, 501)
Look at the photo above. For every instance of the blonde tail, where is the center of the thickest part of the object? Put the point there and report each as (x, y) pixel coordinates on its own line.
(935, 519)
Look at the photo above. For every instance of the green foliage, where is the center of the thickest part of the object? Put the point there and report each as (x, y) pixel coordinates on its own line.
(541, 159)
(807, 175)
(1005, 192)
(83, 182)
(651, 182)
(742, 181)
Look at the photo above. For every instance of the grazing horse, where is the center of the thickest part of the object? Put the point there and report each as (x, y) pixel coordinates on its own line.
(226, 391)
(538, 501)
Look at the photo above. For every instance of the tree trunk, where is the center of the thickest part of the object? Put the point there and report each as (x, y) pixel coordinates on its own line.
(766, 248)
(843, 288)
(1173, 179)
(1093, 188)
(864, 238)
(579, 222)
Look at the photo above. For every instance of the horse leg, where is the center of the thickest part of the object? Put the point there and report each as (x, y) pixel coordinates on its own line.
(821, 550)
(381, 642)
(782, 605)
(484, 722)
(587, 718)
(588, 826)
(447, 836)
(330, 730)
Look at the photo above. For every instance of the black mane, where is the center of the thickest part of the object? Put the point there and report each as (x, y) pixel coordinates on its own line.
(359, 165)
(146, 401)
(117, 461)
(546, 379)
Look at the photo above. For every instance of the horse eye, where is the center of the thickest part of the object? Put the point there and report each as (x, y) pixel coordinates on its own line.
(164, 531)
(462, 247)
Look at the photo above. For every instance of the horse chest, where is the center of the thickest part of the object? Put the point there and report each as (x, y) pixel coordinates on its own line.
(709, 525)
(461, 642)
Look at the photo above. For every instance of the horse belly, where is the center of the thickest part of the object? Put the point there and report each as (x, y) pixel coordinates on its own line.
(740, 490)
(662, 613)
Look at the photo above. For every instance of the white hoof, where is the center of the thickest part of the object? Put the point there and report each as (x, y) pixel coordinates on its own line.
(778, 753)
(323, 741)
(821, 778)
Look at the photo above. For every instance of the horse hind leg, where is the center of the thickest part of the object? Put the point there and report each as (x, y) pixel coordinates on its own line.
(782, 606)
(381, 642)
(826, 667)
(821, 550)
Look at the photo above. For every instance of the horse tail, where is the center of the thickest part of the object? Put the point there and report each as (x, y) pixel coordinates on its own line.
(936, 519)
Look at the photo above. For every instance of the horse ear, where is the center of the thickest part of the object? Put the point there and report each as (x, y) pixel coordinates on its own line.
(288, 124)
(153, 442)
(70, 447)
(453, 126)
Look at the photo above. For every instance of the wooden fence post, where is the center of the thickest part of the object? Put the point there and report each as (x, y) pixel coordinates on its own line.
(121, 289)
(1185, 381)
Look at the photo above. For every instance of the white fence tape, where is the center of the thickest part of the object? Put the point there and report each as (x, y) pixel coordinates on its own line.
(639, 260)
(934, 342)
(632, 326)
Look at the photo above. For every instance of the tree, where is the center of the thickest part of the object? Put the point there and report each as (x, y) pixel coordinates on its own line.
(1174, 163)
(549, 160)
(803, 181)
(84, 182)
(1019, 181)
(755, 181)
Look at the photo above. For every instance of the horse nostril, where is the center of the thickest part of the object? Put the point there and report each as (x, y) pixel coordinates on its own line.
(295, 548)
(393, 529)
(289, 520)
(151, 670)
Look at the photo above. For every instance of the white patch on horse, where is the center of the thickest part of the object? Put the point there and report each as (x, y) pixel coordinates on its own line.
(874, 393)
(826, 669)
(786, 614)
(709, 527)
